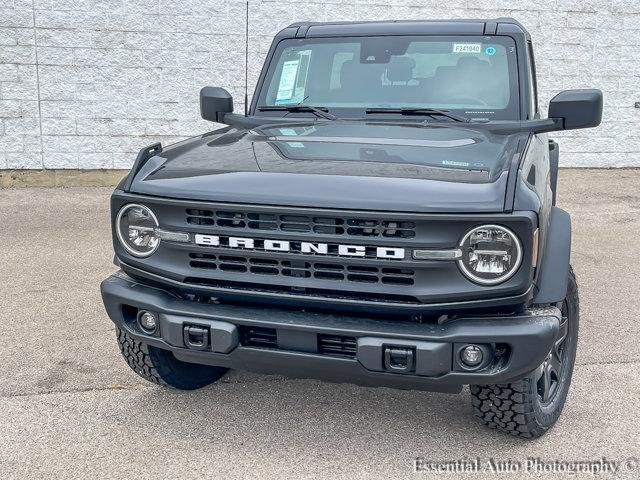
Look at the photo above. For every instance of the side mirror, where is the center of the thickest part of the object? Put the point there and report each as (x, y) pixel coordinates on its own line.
(577, 108)
(215, 102)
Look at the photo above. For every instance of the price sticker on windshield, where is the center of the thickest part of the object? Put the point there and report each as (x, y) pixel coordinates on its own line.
(467, 47)
(287, 81)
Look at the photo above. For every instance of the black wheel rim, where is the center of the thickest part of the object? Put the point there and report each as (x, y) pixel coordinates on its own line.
(550, 372)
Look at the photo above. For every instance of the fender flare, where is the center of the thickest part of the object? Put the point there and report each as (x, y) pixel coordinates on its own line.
(551, 283)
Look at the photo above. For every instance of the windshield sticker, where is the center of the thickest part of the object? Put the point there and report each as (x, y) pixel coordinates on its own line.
(467, 47)
(287, 81)
(301, 80)
(296, 144)
(490, 51)
(455, 164)
(293, 79)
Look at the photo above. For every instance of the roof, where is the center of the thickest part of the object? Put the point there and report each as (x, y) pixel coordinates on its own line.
(410, 27)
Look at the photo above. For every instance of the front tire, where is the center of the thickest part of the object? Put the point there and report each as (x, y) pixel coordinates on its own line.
(531, 406)
(161, 367)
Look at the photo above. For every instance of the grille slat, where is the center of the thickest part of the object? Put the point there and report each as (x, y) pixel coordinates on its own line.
(268, 287)
(348, 226)
(303, 269)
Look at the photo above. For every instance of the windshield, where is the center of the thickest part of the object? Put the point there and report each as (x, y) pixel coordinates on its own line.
(474, 76)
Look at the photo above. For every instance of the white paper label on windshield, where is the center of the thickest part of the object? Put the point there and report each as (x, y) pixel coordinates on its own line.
(287, 81)
(454, 163)
(467, 47)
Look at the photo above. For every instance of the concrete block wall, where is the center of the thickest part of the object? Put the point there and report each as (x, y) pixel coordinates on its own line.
(86, 83)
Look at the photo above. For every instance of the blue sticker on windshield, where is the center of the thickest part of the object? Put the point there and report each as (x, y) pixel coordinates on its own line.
(490, 51)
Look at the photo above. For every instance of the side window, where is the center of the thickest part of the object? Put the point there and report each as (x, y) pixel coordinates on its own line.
(533, 86)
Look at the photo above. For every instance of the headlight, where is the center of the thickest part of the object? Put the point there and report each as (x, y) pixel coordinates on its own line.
(491, 254)
(137, 230)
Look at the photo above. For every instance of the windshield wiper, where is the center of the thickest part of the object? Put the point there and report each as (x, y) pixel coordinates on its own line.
(321, 112)
(432, 112)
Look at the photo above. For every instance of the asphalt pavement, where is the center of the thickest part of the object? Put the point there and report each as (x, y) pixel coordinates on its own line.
(71, 408)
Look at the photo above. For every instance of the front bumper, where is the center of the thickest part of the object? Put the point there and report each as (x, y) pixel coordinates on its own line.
(304, 343)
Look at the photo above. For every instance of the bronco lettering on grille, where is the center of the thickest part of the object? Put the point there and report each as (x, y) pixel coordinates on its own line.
(392, 253)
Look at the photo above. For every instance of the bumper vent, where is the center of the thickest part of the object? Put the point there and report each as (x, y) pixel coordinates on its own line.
(327, 344)
(337, 345)
(258, 337)
(303, 269)
(354, 227)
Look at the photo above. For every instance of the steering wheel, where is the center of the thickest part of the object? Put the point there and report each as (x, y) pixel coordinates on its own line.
(470, 100)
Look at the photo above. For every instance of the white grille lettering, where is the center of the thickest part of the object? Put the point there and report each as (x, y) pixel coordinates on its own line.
(319, 248)
(209, 240)
(277, 245)
(237, 242)
(352, 250)
(391, 253)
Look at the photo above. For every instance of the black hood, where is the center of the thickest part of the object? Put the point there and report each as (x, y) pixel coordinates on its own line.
(340, 164)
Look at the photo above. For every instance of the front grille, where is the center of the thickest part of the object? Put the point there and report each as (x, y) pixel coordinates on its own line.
(303, 269)
(295, 272)
(337, 345)
(323, 225)
(313, 257)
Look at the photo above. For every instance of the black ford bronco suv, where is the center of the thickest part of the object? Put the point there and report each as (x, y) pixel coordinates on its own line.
(383, 214)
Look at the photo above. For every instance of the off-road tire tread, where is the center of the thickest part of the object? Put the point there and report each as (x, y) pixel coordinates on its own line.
(505, 407)
(509, 407)
(162, 368)
(137, 356)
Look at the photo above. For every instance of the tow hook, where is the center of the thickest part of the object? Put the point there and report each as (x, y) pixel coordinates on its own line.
(196, 338)
(399, 359)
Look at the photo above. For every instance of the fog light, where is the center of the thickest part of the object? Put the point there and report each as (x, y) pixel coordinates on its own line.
(471, 355)
(147, 321)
